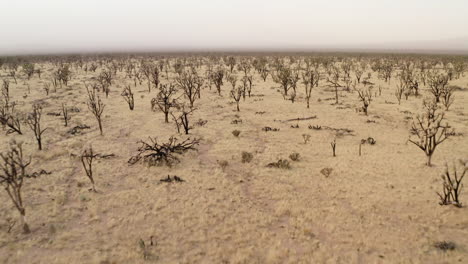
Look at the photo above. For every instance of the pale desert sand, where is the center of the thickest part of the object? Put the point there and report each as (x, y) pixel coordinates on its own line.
(380, 207)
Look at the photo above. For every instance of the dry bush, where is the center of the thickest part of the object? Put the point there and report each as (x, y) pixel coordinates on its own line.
(400, 89)
(47, 88)
(437, 83)
(283, 77)
(9, 118)
(246, 157)
(95, 105)
(447, 96)
(223, 164)
(63, 74)
(280, 164)
(182, 119)
(13, 171)
(105, 81)
(34, 122)
(217, 78)
(28, 69)
(445, 245)
(428, 130)
(128, 96)
(326, 172)
(191, 85)
(236, 94)
(295, 156)
(250, 84)
(66, 116)
(452, 185)
(236, 133)
(334, 81)
(267, 128)
(231, 62)
(87, 158)
(309, 79)
(333, 145)
(165, 100)
(6, 92)
(156, 154)
(365, 96)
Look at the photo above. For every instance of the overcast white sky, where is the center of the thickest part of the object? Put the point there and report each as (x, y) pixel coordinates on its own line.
(36, 26)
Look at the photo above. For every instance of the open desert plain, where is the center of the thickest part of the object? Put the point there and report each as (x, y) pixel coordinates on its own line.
(263, 158)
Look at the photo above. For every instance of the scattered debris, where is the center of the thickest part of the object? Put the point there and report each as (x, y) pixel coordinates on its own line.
(369, 140)
(173, 179)
(300, 119)
(267, 128)
(78, 129)
(445, 245)
(326, 172)
(280, 164)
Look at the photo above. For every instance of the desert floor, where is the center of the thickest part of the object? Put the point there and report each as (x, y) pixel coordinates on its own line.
(380, 207)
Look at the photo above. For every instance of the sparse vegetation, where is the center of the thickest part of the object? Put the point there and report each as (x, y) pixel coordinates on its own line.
(157, 154)
(428, 130)
(34, 123)
(246, 157)
(13, 172)
(280, 164)
(96, 106)
(87, 158)
(452, 183)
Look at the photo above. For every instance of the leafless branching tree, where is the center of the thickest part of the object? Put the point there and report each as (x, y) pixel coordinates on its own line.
(427, 130)
(127, 94)
(87, 158)
(95, 105)
(452, 185)
(34, 122)
(165, 100)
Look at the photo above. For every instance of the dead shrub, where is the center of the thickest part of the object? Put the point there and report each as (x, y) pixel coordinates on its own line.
(452, 184)
(236, 133)
(326, 172)
(295, 156)
(246, 157)
(280, 164)
(157, 154)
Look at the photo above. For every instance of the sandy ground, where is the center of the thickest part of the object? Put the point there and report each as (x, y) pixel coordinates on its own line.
(380, 207)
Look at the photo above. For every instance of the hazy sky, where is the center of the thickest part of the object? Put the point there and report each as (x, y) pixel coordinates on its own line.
(32, 26)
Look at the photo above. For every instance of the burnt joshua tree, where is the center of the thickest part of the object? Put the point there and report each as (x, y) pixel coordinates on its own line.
(309, 78)
(236, 94)
(65, 115)
(283, 77)
(165, 100)
(231, 62)
(217, 78)
(365, 96)
(13, 166)
(34, 122)
(400, 89)
(334, 81)
(189, 82)
(87, 158)
(428, 131)
(452, 184)
(96, 106)
(156, 154)
(182, 120)
(447, 96)
(127, 94)
(437, 85)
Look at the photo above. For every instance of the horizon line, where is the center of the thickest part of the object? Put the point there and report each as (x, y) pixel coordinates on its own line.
(421, 51)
